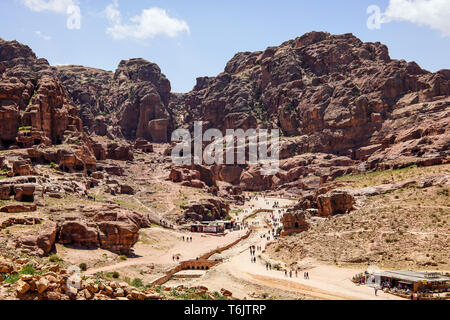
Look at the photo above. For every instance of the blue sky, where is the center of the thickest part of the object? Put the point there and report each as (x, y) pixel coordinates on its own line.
(193, 38)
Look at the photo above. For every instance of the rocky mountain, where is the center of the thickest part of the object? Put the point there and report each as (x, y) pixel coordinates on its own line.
(34, 106)
(333, 93)
(84, 162)
(343, 100)
(131, 103)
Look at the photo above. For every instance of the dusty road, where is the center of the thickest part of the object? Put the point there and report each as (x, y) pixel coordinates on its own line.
(240, 273)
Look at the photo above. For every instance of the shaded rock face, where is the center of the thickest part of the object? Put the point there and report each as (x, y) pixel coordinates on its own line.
(18, 208)
(143, 145)
(22, 189)
(335, 202)
(130, 103)
(79, 234)
(34, 107)
(118, 236)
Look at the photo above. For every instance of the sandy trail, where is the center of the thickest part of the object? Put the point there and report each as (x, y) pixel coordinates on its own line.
(239, 274)
(200, 245)
(326, 282)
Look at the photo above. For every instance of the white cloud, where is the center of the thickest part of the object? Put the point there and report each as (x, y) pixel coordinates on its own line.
(432, 13)
(70, 8)
(43, 36)
(150, 23)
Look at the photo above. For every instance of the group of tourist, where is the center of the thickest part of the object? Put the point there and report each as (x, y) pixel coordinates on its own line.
(253, 250)
(290, 274)
(166, 224)
(187, 239)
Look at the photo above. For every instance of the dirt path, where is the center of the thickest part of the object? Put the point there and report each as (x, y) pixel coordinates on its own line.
(326, 282)
(200, 245)
(238, 273)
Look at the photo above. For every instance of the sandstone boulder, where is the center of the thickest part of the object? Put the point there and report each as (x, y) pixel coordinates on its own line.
(78, 234)
(335, 202)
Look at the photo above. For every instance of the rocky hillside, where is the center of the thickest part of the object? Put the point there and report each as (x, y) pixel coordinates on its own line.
(327, 93)
(34, 106)
(334, 93)
(84, 161)
(131, 103)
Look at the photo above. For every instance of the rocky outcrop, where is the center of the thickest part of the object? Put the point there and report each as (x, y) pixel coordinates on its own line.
(117, 151)
(335, 202)
(206, 210)
(106, 227)
(34, 107)
(294, 222)
(79, 234)
(16, 166)
(143, 145)
(22, 189)
(118, 236)
(25, 220)
(332, 94)
(73, 158)
(130, 103)
(40, 242)
(18, 208)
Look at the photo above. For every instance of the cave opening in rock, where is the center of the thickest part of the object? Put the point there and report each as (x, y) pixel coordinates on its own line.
(27, 198)
(7, 143)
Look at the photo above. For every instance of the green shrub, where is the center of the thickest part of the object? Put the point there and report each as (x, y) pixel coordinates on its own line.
(29, 270)
(137, 283)
(83, 266)
(218, 296)
(55, 259)
(11, 278)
